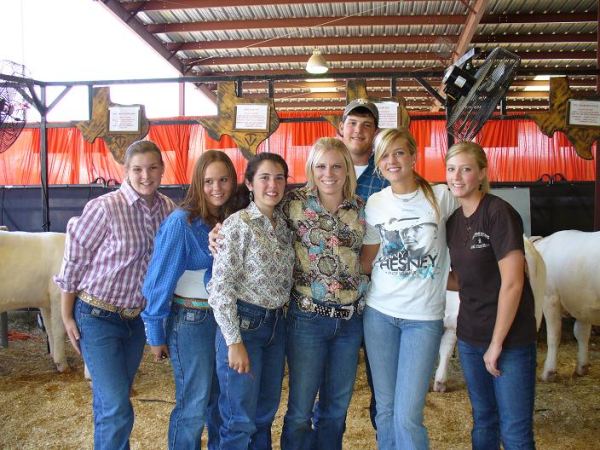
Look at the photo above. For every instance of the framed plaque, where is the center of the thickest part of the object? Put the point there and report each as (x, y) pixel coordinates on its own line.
(584, 113)
(252, 116)
(388, 114)
(124, 119)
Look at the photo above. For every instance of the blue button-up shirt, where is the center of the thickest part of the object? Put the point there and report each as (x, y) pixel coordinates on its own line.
(369, 181)
(179, 246)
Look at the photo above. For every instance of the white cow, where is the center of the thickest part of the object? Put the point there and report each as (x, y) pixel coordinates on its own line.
(27, 263)
(572, 259)
(536, 271)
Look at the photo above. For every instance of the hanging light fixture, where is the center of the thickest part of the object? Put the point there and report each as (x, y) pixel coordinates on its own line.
(316, 63)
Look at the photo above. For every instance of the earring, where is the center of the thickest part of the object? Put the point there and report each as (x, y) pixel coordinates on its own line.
(251, 196)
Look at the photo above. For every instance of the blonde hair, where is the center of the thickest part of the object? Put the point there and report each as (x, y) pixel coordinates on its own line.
(384, 140)
(476, 151)
(319, 148)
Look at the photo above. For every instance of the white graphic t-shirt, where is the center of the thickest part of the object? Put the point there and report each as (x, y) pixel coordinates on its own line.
(411, 268)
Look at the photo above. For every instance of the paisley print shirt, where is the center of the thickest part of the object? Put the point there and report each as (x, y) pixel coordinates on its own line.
(254, 264)
(327, 247)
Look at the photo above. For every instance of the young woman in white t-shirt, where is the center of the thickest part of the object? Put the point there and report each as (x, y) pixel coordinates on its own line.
(405, 251)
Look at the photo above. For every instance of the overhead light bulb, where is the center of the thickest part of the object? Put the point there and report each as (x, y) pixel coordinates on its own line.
(316, 63)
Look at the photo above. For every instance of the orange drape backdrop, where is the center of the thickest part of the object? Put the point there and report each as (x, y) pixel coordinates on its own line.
(516, 149)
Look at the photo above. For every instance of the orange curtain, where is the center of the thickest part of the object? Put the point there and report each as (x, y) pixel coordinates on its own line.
(516, 149)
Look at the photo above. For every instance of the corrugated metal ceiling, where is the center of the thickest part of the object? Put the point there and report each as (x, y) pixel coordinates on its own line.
(203, 37)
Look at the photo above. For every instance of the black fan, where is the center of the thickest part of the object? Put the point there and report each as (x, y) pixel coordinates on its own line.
(473, 94)
(13, 108)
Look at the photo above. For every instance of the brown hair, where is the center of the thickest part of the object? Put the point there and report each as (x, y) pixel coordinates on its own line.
(476, 151)
(195, 201)
(386, 138)
(241, 198)
(322, 146)
(139, 147)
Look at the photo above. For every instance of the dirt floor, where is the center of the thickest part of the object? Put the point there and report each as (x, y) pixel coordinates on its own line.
(41, 409)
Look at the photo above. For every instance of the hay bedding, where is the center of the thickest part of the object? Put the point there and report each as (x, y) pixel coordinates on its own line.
(41, 409)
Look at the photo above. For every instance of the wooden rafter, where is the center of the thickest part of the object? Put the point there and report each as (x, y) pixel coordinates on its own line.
(308, 22)
(188, 4)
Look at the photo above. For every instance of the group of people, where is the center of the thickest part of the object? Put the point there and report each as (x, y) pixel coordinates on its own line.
(361, 254)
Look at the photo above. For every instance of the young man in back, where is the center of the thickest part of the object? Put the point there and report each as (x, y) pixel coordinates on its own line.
(357, 129)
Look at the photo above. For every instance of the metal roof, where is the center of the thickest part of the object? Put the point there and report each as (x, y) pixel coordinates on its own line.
(276, 37)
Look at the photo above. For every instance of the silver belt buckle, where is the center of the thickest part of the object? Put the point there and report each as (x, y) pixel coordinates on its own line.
(306, 304)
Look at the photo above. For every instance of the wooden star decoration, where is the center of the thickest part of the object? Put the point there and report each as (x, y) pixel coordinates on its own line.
(224, 122)
(98, 126)
(358, 89)
(555, 119)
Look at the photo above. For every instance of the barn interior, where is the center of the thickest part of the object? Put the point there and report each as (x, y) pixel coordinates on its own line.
(394, 52)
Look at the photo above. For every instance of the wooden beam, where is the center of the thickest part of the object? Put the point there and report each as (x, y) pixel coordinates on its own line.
(201, 4)
(117, 9)
(309, 22)
(305, 22)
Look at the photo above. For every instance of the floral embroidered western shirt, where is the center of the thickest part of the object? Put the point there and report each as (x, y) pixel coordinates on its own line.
(327, 247)
(254, 264)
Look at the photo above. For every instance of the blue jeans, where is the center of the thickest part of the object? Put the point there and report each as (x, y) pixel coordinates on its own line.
(503, 406)
(402, 354)
(191, 340)
(112, 349)
(322, 356)
(249, 401)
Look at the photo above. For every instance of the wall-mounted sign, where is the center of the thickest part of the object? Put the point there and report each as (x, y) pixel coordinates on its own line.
(584, 113)
(252, 116)
(124, 119)
(388, 114)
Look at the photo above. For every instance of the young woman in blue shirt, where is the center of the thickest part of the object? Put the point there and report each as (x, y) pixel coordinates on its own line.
(179, 322)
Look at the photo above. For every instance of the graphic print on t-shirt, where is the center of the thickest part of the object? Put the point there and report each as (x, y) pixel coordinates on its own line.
(479, 240)
(408, 247)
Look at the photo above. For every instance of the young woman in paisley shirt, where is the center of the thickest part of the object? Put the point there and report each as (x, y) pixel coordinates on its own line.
(325, 311)
(252, 278)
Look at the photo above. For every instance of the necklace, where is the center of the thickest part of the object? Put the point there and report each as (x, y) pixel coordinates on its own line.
(468, 228)
(406, 197)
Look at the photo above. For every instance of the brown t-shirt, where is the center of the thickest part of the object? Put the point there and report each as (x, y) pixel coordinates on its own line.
(476, 245)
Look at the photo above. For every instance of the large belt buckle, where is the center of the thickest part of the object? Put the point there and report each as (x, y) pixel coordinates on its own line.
(349, 308)
(305, 304)
(129, 313)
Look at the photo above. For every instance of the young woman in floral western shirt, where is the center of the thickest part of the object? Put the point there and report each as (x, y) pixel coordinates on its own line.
(325, 311)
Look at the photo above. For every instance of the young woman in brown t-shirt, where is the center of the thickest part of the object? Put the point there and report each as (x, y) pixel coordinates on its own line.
(496, 322)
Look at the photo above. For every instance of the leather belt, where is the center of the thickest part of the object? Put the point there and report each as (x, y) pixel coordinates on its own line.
(308, 304)
(193, 303)
(125, 313)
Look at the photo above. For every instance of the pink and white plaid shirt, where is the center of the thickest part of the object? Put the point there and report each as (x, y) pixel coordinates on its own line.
(108, 248)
